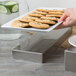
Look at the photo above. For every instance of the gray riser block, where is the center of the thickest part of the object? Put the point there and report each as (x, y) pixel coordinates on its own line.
(70, 59)
(38, 53)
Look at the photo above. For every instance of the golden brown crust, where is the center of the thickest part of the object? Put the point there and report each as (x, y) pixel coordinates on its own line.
(32, 18)
(24, 19)
(35, 15)
(55, 13)
(17, 23)
(50, 18)
(55, 10)
(39, 25)
(43, 10)
(53, 16)
(45, 21)
(40, 12)
(46, 10)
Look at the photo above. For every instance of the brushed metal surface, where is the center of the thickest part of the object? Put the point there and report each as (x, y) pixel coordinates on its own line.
(35, 53)
(70, 59)
(40, 49)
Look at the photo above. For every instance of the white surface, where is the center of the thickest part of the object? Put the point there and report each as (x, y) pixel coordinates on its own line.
(72, 40)
(51, 3)
(9, 24)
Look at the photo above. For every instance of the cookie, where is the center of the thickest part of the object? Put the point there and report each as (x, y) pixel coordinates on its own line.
(32, 18)
(50, 18)
(40, 12)
(46, 10)
(24, 19)
(45, 21)
(53, 16)
(35, 15)
(43, 10)
(55, 13)
(17, 23)
(55, 10)
(39, 25)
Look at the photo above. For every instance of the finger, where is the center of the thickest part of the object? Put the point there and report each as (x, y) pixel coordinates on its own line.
(68, 19)
(64, 16)
(68, 23)
(64, 24)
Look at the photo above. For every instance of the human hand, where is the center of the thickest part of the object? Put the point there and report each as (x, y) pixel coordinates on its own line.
(68, 18)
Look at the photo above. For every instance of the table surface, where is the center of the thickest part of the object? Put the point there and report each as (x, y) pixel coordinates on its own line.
(53, 67)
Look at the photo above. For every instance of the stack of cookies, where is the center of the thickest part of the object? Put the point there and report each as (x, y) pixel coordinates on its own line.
(41, 18)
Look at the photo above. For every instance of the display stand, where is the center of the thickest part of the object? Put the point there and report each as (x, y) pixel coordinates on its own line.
(40, 51)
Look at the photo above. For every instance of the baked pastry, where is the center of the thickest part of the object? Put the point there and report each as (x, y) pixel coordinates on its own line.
(41, 18)
(17, 23)
(46, 10)
(39, 25)
(45, 21)
(43, 10)
(50, 18)
(53, 16)
(30, 17)
(55, 10)
(24, 19)
(40, 12)
(55, 13)
(35, 15)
